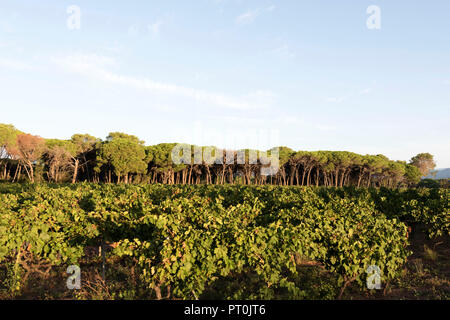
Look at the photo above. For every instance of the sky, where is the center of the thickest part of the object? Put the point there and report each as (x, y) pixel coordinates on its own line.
(310, 75)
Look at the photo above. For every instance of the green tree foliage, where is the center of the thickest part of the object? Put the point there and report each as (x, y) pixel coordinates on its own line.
(8, 136)
(124, 157)
(124, 154)
(159, 159)
(8, 146)
(412, 174)
(85, 146)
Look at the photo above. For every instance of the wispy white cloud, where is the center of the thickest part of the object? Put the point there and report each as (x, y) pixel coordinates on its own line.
(250, 16)
(262, 97)
(336, 99)
(247, 17)
(155, 28)
(284, 52)
(290, 120)
(133, 30)
(112, 47)
(15, 64)
(6, 27)
(346, 97)
(97, 67)
(85, 61)
(327, 128)
(199, 76)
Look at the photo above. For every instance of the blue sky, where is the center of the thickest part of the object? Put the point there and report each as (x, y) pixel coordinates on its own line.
(233, 73)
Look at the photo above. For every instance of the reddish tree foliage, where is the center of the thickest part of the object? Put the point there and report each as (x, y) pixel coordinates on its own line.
(29, 149)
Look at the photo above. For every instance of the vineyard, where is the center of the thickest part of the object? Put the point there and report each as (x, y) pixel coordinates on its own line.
(206, 241)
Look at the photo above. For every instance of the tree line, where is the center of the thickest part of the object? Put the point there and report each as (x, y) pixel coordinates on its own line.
(124, 158)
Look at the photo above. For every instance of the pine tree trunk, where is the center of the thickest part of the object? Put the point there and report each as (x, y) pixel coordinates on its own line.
(75, 171)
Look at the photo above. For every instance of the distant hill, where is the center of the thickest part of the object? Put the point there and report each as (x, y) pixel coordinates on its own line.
(440, 174)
